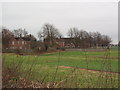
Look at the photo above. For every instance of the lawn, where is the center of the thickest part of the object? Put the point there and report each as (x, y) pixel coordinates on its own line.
(47, 67)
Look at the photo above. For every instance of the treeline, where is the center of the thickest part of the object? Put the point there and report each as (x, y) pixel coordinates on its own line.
(80, 38)
(49, 33)
(86, 39)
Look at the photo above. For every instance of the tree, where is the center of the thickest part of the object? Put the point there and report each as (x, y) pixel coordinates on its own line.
(74, 34)
(118, 44)
(106, 40)
(70, 33)
(19, 32)
(80, 37)
(40, 35)
(24, 32)
(33, 42)
(91, 39)
(84, 39)
(97, 38)
(6, 35)
(48, 33)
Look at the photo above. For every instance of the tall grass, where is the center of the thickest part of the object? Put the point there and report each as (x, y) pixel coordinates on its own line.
(37, 72)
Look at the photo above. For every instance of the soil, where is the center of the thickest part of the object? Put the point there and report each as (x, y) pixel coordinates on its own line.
(91, 70)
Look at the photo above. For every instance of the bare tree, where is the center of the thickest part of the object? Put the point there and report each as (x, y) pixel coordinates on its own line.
(48, 33)
(96, 38)
(70, 33)
(74, 34)
(19, 32)
(25, 33)
(106, 40)
(6, 35)
(84, 39)
(40, 35)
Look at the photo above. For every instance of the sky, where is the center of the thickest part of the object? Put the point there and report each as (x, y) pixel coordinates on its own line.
(89, 16)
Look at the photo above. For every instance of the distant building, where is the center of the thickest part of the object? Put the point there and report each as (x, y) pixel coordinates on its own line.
(65, 42)
(20, 42)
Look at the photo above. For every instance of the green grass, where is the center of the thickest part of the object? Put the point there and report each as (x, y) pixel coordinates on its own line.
(44, 66)
(67, 59)
(78, 59)
(113, 53)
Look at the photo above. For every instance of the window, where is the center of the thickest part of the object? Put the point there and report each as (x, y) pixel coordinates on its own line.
(23, 42)
(20, 47)
(18, 42)
(12, 47)
(13, 42)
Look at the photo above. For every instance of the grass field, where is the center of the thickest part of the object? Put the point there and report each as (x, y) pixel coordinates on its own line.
(52, 67)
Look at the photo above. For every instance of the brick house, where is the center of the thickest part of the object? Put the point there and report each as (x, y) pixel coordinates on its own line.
(20, 42)
(65, 42)
(61, 42)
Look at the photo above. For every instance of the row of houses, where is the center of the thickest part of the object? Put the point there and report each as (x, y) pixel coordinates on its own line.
(65, 42)
(20, 42)
(24, 42)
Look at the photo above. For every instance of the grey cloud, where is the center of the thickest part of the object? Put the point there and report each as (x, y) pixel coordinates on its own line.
(100, 17)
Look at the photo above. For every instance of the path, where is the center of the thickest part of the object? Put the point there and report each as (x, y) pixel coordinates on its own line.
(89, 69)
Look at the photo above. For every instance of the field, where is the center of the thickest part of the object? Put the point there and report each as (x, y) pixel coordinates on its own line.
(68, 69)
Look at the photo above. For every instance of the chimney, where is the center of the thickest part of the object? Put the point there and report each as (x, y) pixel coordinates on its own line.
(12, 35)
(60, 37)
(30, 35)
(20, 35)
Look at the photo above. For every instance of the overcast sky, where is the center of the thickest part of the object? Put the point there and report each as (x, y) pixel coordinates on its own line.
(90, 16)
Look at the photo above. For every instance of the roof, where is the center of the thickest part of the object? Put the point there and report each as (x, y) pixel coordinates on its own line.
(25, 38)
(64, 39)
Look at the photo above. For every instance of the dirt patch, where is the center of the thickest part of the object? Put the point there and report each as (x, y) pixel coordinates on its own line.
(91, 70)
(41, 53)
(36, 54)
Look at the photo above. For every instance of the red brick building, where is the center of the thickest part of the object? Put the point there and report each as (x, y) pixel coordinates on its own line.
(61, 42)
(20, 42)
(65, 42)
